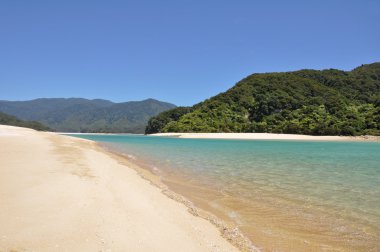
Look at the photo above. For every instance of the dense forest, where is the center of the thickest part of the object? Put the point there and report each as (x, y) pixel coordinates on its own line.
(6, 119)
(83, 115)
(313, 102)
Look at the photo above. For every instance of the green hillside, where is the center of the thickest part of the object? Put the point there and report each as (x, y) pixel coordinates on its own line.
(6, 119)
(82, 115)
(328, 102)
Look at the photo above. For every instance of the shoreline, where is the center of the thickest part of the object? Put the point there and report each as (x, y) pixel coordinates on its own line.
(244, 136)
(266, 136)
(227, 229)
(79, 133)
(182, 188)
(67, 193)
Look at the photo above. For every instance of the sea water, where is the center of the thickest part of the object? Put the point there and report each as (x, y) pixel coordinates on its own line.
(283, 195)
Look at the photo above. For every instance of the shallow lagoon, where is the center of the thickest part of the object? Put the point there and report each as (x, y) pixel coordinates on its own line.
(288, 195)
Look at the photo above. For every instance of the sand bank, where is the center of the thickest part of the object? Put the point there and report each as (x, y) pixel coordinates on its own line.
(59, 193)
(267, 136)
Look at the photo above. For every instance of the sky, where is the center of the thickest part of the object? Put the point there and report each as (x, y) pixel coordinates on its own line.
(178, 51)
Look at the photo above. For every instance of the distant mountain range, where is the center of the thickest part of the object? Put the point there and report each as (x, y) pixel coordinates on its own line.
(83, 115)
(6, 119)
(327, 102)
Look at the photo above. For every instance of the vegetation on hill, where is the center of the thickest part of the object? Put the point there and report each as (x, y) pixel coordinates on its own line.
(82, 115)
(328, 102)
(6, 119)
(158, 122)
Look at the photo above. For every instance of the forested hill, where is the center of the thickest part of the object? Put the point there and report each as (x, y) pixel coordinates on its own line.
(6, 119)
(327, 102)
(83, 115)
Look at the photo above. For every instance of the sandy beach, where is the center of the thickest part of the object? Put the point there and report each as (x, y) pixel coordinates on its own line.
(267, 136)
(59, 193)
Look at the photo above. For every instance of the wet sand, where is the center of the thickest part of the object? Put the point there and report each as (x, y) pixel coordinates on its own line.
(272, 222)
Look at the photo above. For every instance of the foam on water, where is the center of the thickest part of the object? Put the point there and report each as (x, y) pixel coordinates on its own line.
(286, 195)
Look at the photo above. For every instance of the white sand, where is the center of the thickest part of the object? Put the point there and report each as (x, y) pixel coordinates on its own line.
(59, 193)
(265, 136)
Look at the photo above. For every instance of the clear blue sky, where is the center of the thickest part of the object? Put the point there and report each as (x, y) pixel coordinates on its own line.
(179, 51)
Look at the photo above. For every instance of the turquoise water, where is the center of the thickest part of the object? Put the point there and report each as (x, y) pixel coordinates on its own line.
(331, 188)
